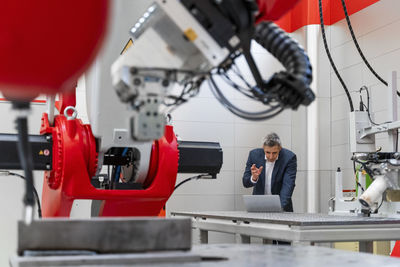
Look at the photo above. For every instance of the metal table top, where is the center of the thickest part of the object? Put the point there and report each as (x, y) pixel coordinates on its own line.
(222, 255)
(290, 218)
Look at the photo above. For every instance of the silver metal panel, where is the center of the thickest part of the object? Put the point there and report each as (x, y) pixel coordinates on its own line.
(105, 110)
(290, 218)
(106, 235)
(225, 255)
(271, 231)
(296, 227)
(350, 233)
(286, 233)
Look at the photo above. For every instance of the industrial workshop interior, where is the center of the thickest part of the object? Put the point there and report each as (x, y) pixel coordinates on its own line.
(201, 133)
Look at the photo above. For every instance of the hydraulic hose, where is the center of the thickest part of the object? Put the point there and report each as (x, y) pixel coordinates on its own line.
(321, 18)
(291, 87)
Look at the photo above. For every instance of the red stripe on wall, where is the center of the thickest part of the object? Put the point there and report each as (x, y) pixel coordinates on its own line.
(33, 101)
(306, 12)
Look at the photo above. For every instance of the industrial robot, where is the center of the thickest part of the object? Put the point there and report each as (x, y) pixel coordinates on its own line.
(174, 43)
(175, 46)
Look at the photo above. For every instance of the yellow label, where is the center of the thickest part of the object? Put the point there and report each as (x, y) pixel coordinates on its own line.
(128, 44)
(190, 34)
(41, 152)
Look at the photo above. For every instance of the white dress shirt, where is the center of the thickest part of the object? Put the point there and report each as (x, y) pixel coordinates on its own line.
(268, 168)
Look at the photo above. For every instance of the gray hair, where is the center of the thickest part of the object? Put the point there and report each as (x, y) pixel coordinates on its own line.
(272, 139)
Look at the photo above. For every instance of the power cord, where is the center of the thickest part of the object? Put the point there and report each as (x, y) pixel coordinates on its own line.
(358, 46)
(364, 167)
(380, 204)
(39, 209)
(367, 107)
(321, 17)
(355, 175)
(200, 176)
(255, 116)
(365, 88)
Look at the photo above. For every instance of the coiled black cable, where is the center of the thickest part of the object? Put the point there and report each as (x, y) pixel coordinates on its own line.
(291, 87)
(272, 111)
(358, 47)
(321, 18)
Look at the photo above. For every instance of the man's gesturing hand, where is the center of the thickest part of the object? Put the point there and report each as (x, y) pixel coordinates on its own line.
(255, 172)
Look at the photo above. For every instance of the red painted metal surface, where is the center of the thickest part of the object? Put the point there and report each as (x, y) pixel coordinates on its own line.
(74, 163)
(396, 250)
(46, 45)
(38, 101)
(273, 9)
(149, 202)
(66, 99)
(306, 12)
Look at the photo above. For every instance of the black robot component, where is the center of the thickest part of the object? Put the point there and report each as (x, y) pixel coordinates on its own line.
(42, 147)
(199, 157)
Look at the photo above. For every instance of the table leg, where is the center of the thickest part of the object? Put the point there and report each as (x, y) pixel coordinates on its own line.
(267, 241)
(366, 246)
(203, 236)
(242, 239)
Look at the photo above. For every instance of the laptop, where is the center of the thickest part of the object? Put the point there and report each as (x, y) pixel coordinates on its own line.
(262, 203)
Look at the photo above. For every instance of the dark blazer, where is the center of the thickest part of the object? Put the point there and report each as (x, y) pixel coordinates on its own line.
(283, 175)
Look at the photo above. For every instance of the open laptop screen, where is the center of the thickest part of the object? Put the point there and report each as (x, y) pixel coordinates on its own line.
(262, 203)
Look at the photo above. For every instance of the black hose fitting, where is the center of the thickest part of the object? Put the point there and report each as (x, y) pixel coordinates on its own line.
(290, 87)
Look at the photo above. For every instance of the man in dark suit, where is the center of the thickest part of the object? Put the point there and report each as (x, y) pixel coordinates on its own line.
(272, 170)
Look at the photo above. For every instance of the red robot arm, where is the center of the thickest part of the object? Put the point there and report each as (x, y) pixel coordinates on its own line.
(45, 46)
